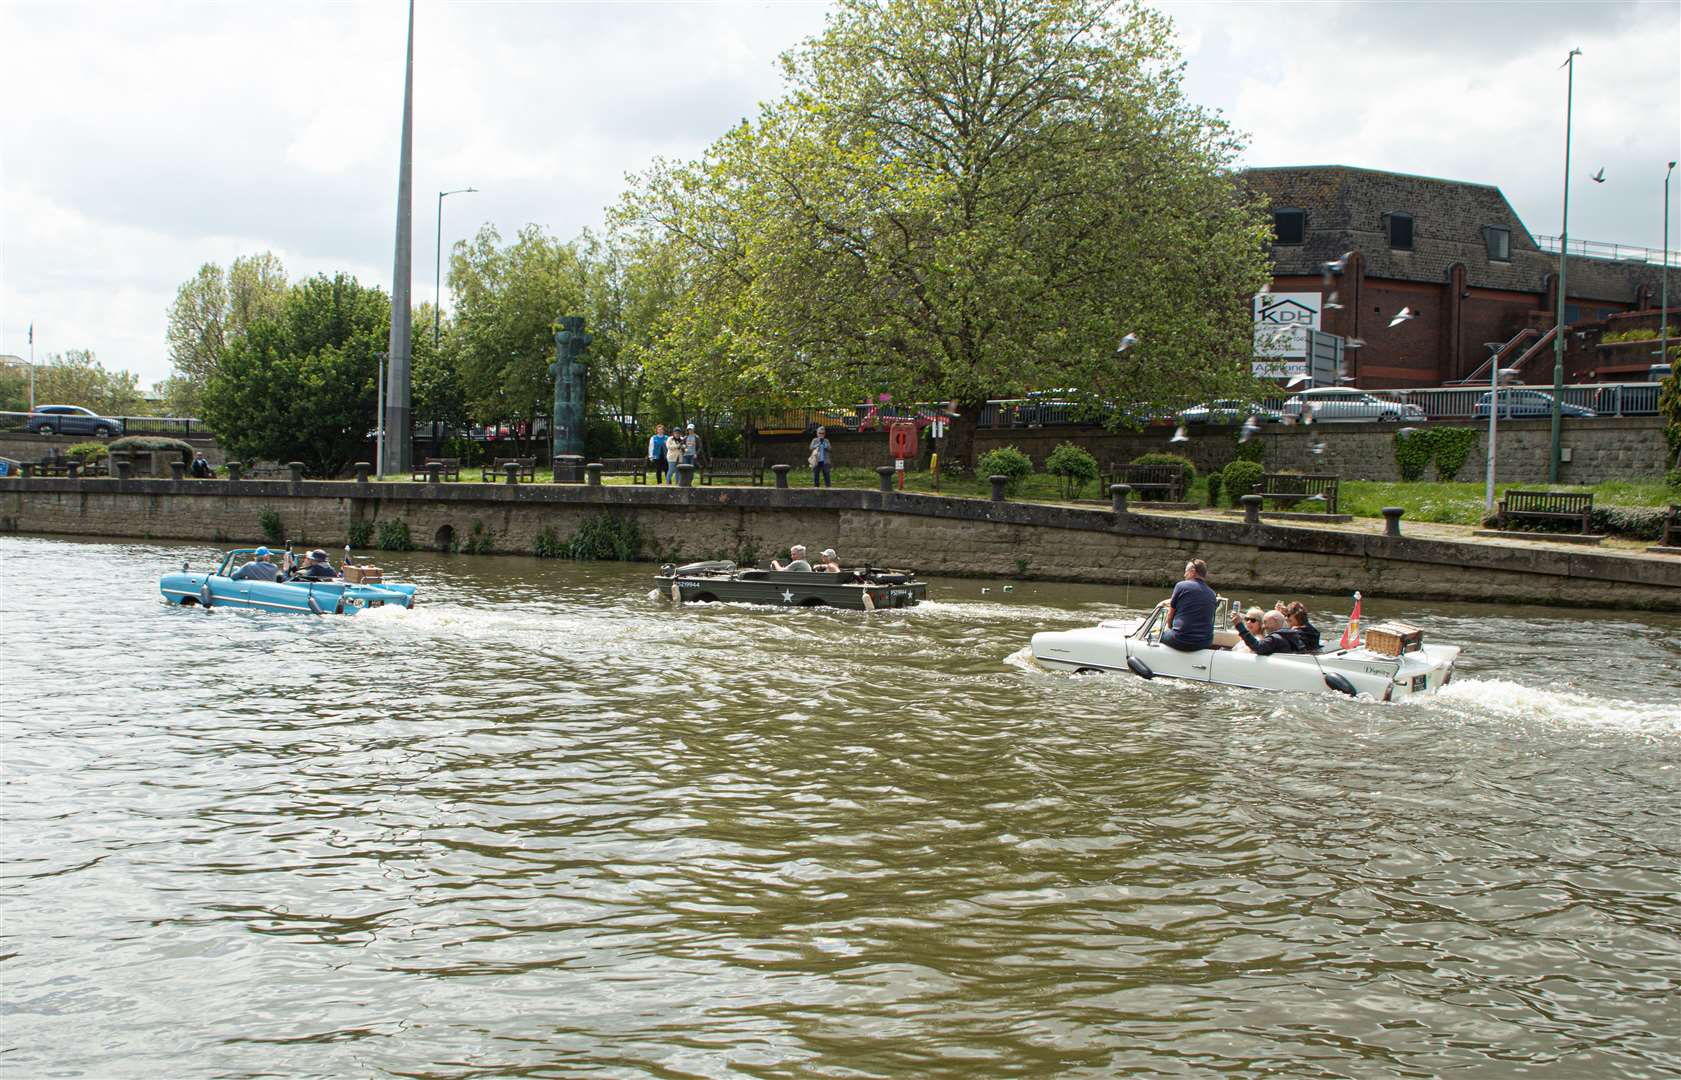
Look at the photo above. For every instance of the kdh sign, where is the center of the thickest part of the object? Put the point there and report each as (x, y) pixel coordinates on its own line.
(1282, 322)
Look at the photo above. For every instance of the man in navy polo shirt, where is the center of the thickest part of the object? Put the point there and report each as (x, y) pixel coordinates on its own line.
(1190, 611)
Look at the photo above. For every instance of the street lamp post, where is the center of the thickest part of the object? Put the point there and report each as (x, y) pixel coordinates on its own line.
(1663, 335)
(1563, 250)
(438, 264)
(379, 432)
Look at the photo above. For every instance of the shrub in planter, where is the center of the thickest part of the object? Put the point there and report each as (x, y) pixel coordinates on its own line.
(1073, 467)
(85, 452)
(1239, 479)
(1214, 479)
(1005, 461)
(1633, 522)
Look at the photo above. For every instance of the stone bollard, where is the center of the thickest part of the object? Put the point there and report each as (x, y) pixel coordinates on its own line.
(177, 470)
(234, 468)
(434, 473)
(73, 469)
(998, 484)
(362, 471)
(124, 467)
(1251, 509)
(685, 475)
(1392, 520)
(885, 472)
(512, 471)
(297, 470)
(594, 470)
(1118, 497)
(781, 472)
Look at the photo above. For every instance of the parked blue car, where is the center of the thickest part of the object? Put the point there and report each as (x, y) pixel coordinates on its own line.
(1526, 404)
(71, 420)
(220, 588)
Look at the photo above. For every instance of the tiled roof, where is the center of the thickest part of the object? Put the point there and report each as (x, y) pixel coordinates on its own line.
(1344, 208)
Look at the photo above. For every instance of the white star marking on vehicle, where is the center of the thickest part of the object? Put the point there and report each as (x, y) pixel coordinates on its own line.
(788, 596)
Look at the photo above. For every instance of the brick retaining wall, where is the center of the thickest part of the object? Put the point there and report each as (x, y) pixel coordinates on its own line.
(936, 535)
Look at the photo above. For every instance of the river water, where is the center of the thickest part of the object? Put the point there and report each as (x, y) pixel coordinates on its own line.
(545, 825)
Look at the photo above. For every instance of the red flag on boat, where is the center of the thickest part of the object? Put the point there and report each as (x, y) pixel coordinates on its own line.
(1351, 632)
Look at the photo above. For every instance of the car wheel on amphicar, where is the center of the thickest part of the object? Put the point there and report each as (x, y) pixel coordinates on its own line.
(861, 589)
(359, 587)
(1390, 663)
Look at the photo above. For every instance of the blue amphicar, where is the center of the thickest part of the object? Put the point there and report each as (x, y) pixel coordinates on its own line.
(233, 584)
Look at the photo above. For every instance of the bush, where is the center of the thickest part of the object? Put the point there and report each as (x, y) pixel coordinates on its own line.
(1669, 407)
(1170, 459)
(273, 531)
(604, 537)
(1254, 450)
(1453, 446)
(394, 536)
(1214, 488)
(1073, 466)
(1634, 522)
(1005, 461)
(1413, 451)
(154, 443)
(86, 452)
(359, 533)
(548, 545)
(1239, 479)
(1448, 447)
(479, 539)
(1672, 479)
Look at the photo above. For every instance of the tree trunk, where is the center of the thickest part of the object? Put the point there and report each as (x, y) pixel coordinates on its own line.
(960, 435)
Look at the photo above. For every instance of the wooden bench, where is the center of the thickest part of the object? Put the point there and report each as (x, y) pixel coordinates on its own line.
(1672, 526)
(737, 468)
(449, 468)
(53, 467)
(1291, 488)
(1572, 506)
(634, 467)
(498, 469)
(1164, 482)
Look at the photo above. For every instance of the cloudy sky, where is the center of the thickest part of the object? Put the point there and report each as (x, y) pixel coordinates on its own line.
(138, 141)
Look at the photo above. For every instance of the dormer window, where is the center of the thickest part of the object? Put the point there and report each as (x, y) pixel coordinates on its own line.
(1399, 227)
(1499, 243)
(1289, 225)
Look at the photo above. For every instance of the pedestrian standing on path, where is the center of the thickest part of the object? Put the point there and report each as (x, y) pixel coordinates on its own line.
(656, 453)
(819, 459)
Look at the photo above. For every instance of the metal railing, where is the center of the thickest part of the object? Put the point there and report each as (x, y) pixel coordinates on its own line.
(181, 426)
(1597, 249)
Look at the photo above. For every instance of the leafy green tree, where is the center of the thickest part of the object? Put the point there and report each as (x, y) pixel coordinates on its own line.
(74, 377)
(211, 310)
(508, 301)
(957, 201)
(436, 388)
(299, 383)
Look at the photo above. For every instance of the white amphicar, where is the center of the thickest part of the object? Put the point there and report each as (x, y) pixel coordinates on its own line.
(1369, 668)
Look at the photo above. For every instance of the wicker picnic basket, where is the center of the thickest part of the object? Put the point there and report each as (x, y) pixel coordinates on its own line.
(1394, 638)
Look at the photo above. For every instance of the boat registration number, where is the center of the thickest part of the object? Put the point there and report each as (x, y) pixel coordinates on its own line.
(1421, 682)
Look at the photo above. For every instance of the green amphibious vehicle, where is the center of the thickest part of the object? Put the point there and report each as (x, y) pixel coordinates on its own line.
(863, 589)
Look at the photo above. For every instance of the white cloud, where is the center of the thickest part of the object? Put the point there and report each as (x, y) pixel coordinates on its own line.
(157, 137)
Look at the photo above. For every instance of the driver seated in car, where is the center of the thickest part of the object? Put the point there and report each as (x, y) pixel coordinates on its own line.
(259, 569)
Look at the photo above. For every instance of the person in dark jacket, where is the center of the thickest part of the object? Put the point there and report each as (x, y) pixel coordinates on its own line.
(1279, 637)
(316, 568)
(1296, 615)
(201, 468)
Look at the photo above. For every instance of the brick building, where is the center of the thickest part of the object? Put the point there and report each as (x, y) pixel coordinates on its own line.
(1458, 255)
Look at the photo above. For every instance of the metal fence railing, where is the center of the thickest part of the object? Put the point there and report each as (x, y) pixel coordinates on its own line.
(1599, 249)
(178, 426)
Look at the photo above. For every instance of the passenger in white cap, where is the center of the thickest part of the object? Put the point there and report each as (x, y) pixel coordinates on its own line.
(828, 562)
(258, 569)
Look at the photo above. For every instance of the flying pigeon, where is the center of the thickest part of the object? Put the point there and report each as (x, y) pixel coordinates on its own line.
(1599, 177)
(1126, 343)
(1354, 343)
(1332, 304)
(1317, 447)
(1402, 316)
(1266, 287)
(1297, 380)
(1407, 432)
(1179, 435)
(1307, 412)
(1335, 266)
(1251, 427)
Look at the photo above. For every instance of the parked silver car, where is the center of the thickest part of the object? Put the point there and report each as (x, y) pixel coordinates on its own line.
(1337, 404)
(71, 420)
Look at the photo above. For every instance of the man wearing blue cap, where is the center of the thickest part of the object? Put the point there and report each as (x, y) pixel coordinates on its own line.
(258, 569)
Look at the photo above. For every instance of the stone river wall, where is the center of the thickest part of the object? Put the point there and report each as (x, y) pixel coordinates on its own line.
(936, 535)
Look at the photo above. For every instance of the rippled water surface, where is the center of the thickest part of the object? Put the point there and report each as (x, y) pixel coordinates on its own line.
(546, 825)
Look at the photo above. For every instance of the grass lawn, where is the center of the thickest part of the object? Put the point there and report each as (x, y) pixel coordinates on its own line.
(1447, 503)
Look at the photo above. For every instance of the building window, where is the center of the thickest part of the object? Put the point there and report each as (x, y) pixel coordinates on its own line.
(1572, 314)
(1289, 226)
(1399, 226)
(1499, 243)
